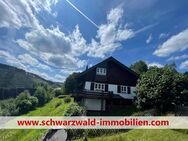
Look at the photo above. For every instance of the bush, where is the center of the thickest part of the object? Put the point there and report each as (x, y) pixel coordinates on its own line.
(74, 110)
(41, 94)
(67, 99)
(57, 92)
(25, 102)
(159, 88)
(8, 108)
(34, 101)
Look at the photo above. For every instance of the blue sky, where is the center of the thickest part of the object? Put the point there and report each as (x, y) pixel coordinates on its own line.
(53, 38)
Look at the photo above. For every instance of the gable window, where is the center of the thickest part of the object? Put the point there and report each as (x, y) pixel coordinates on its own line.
(101, 71)
(99, 87)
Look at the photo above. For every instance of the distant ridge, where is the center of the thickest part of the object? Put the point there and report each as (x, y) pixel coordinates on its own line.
(12, 77)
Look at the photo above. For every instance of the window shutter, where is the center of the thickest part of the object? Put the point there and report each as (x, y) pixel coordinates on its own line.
(106, 87)
(92, 86)
(118, 89)
(128, 90)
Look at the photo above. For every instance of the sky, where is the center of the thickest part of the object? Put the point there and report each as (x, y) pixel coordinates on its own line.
(54, 38)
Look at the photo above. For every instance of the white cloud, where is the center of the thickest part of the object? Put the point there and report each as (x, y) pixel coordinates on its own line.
(18, 62)
(149, 39)
(163, 35)
(29, 60)
(56, 48)
(184, 56)
(155, 64)
(184, 65)
(11, 60)
(60, 78)
(20, 13)
(175, 43)
(110, 35)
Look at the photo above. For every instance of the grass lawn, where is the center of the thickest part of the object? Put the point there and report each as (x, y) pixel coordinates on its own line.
(144, 135)
(55, 107)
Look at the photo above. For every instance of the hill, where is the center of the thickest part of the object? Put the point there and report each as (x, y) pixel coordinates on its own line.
(12, 77)
(14, 81)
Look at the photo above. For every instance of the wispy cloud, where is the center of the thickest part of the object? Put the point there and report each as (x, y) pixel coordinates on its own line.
(84, 15)
(145, 28)
(178, 42)
(184, 65)
(173, 58)
(155, 64)
(149, 39)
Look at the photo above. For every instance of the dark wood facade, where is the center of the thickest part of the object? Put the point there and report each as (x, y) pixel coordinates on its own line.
(116, 76)
(117, 73)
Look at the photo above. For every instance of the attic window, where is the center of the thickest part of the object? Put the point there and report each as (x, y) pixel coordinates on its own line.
(101, 71)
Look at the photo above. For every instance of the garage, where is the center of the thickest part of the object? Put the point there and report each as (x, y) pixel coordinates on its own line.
(94, 104)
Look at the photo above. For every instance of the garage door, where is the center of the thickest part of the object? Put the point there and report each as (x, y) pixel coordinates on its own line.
(94, 104)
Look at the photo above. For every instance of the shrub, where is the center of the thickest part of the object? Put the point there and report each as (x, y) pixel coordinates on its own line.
(41, 95)
(57, 92)
(74, 110)
(34, 101)
(25, 102)
(67, 99)
(8, 108)
(159, 88)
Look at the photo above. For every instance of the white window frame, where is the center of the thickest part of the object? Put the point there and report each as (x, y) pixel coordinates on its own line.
(123, 89)
(101, 71)
(99, 87)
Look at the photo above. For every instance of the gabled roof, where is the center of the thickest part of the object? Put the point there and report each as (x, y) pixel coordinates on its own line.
(107, 60)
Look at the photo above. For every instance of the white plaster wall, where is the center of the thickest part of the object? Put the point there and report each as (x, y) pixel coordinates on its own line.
(133, 89)
(112, 88)
(87, 85)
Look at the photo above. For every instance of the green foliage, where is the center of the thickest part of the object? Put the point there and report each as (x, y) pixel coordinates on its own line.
(71, 83)
(186, 80)
(34, 101)
(57, 92)
(41, 95)
(67, 99)
(159, 88)
(139, 67)
(8, 108)
(48, 109)
(144, 135)
(74, 110)
(25, 102)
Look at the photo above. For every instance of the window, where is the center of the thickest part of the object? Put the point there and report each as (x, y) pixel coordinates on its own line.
(99, 87)
(101, 71)
(123, 89)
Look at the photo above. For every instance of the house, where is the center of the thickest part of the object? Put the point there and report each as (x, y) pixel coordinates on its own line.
(106, 85)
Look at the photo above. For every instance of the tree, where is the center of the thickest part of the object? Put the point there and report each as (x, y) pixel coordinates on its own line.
(25, 102)
(139, 67)
(71, 83)
(159, 88)
(41, 95)
(186, 80)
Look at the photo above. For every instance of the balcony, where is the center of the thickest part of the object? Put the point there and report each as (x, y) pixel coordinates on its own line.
(92, 94)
